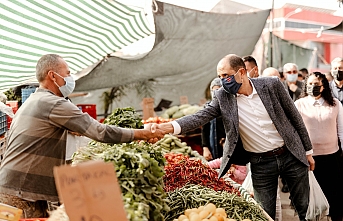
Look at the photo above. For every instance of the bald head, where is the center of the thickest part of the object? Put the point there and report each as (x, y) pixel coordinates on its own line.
(270, 72)
(233, 61)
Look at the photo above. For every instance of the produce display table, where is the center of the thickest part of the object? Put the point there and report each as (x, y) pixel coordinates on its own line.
(245, 194)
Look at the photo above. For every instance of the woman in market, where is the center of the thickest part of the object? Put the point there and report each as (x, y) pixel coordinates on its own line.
(323, 117)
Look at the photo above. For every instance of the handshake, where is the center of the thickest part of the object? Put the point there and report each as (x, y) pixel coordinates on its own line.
(152, 132)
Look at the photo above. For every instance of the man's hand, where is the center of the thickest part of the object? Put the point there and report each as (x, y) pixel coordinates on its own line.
(310, 161)
(207, 154)
(150, 133)
(293, 87)
(165, 128)
(74, 133)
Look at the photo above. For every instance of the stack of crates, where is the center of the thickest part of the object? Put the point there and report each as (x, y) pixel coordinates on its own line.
(3, 123)
(25, 93)
(88, 108)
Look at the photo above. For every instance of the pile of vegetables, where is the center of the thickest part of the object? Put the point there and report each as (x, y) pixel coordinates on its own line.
(209, 212)
(139, 169)
(188, 171)
(156, 120)
(173, 144)
(180, 111)
(195, 196)
(125, 117)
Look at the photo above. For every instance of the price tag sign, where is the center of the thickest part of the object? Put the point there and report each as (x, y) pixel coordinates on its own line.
(183, 100)
(148, 108)
(90, 192)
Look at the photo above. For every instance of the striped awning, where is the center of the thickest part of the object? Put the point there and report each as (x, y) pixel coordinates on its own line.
(81, 31)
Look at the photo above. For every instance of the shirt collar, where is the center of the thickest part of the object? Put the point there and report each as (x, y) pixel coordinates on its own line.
(253, 91)
(311, 100)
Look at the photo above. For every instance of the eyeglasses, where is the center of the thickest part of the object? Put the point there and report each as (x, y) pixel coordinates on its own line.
(292, 72)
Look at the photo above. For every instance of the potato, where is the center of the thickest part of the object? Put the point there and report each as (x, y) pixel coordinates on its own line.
(211, 208)
(182, 217)
(219, 217)
(195, 217)
(203, 214)
(213, 218)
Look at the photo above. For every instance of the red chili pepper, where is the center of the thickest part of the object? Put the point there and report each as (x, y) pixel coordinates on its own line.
(181, 170)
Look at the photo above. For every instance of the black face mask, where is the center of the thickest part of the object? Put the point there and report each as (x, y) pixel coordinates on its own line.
(337, 75)
(313, 90)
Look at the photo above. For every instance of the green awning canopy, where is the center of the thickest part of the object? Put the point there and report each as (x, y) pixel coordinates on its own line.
(81, 31)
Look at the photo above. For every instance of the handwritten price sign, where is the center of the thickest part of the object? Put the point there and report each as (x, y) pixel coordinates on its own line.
(90, 192)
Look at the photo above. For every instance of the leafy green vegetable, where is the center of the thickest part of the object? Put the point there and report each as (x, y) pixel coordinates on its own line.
(140, 170)
(125, 117)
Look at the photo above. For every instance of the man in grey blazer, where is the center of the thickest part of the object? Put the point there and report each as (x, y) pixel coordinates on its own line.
(259, 115)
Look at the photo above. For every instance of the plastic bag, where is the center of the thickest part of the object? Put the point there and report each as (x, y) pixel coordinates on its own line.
(318, 206)
(247, 184)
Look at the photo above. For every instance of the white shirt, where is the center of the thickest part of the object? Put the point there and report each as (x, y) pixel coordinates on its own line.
(256, 129)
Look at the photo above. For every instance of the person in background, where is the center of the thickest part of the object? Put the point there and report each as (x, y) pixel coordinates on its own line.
(291, 83)
(337, 73)
(251, 66)
(37, 139)
(328, 76)
(323, 118)
(303, 72)
(213, 132)
(236, 172)
(300, 77)
(271, 72)
(262, 126)
(282, 77)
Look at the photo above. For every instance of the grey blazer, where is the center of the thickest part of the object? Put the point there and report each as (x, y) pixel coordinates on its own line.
(280, 108)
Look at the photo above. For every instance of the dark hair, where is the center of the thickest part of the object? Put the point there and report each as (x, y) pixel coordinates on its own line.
(304, 70)
(326, 93)
(235, 62)
(250, 59)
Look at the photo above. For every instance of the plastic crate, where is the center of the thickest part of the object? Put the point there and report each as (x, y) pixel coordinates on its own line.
(88, 108)
(26, 92)
(3, 123)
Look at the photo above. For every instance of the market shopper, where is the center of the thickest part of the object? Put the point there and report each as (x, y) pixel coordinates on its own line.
(213, 132)
(291, 83)
(251, 66)
(337, 73)
(270, 72)
(272, 131)
(323, 118)
(37, 139)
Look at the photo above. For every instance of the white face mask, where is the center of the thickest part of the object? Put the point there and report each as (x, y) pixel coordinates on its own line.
(292, 77)
(69, 86)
